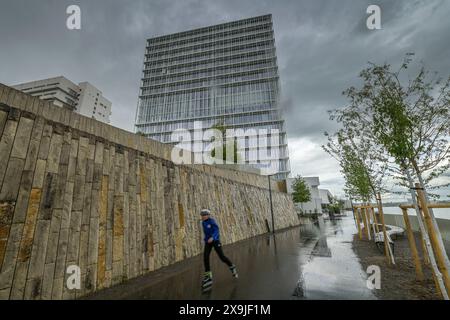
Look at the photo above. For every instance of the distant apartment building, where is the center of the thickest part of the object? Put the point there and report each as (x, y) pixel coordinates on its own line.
(83, 98)
(315, 204)
(225, 74)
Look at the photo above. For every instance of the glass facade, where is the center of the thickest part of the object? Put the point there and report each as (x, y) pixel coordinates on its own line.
(225, 73)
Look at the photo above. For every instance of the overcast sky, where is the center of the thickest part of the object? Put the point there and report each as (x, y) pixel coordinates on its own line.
(321, 47)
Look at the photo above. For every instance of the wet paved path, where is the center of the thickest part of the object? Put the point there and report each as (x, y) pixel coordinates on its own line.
(308, 262)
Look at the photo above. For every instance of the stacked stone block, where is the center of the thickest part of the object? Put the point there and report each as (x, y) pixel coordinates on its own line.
(75, 191)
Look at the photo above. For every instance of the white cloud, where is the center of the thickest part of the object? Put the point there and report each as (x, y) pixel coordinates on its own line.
(309, 159)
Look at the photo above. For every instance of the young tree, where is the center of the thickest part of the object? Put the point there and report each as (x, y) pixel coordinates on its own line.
(301, 192)
(362, 166)
(410, 121)
(336, 205)
(362, 171)
(225, 145)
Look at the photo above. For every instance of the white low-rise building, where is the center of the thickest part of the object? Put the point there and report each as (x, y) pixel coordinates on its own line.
(83, 98)
(325, 195)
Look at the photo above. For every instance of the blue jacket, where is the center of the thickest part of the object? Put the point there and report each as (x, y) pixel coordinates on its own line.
(211, 229)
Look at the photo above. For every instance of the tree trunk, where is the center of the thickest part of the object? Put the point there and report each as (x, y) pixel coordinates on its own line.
(433, 238)
(433, 219)
(412, 246)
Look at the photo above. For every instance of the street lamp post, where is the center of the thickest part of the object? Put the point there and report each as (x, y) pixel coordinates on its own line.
(271, 204)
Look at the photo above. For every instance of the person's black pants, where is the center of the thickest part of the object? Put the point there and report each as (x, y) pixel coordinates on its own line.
(218, 247)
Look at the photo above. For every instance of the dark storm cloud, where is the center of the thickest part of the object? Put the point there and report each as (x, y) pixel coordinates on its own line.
(321, 47)
(321, 57)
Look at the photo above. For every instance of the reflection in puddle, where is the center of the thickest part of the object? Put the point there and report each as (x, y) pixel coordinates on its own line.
(334, 272)
(299, 290)
(313, 261)
(321, 248)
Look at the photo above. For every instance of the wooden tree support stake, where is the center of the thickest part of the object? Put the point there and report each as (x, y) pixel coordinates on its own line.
(366, 226)
(412, 246)
(387, 247)
(358, 223)
(437, 249)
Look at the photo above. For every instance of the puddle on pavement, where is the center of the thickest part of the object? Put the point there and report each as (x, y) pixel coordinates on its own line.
(334, 271)
(313, 261)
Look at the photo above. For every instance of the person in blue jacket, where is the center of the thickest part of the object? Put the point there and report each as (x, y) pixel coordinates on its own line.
(212, 240)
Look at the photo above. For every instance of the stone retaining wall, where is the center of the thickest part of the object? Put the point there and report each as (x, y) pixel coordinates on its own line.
(75, 191)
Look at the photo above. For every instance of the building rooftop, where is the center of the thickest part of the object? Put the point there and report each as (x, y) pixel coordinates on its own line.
(207, 28)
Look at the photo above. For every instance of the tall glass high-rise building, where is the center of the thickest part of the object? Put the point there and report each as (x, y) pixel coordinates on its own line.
(223, 74)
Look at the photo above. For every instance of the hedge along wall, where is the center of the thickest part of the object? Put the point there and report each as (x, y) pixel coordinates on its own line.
(75, 191)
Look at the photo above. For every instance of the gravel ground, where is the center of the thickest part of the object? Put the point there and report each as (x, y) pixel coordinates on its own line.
(397, 282)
